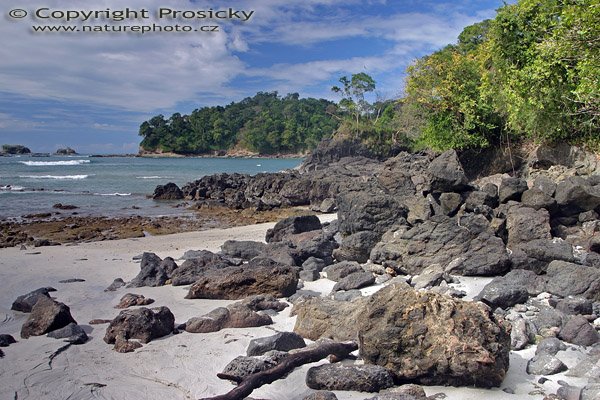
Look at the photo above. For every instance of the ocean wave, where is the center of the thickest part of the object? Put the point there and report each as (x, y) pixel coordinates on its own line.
(51, 163)
(112, 194)
(154, 177)
(10, 188)
(61, 177)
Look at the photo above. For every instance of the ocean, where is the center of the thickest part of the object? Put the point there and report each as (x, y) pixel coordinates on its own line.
(109, 186)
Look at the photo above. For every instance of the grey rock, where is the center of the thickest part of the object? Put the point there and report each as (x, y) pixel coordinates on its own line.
(568, 279)
(404, 392)
(545, 184)
(283, 341)
(576, 194)
(153, 271)
(46, 316)
(511, 189)
(450, 203)
(536, 255)
(193, 268)
(131, 299)
(348, 295)
(574, 306)
(72, 332)
(243, 366)
(550, 346)
(537, 199)
(340, 270)
(170, 191)
(447, 174)
(578, 330)
(357, 246)
(545, 364)
(6, 340)
(519, 335)
(362, 378)
(548, 318)
(355, 280)
(525, 224)
(321, 395)
(116, 284)
(508, 290)
(141, 323)
(313, 263)
(245, 249)
(591, 391)
(309, 275)
(26, 302)
(293, 225)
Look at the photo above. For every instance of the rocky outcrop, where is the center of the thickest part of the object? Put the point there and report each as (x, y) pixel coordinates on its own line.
(14, 149)
(259, 276)
(194, 267)
(46, 316)
(65, 151)
(153, 271)
(144, 324)
(170, 191)
(292, 225)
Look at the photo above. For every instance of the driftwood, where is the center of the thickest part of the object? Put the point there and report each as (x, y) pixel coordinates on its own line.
(305, 356)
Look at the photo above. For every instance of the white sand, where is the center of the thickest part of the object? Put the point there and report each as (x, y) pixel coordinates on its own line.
(183, 366)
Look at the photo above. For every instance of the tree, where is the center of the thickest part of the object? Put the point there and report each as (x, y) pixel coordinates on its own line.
(353, 92)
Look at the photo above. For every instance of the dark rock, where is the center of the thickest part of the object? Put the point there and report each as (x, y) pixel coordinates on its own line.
(130, 300)
(327, 205)
(357, 246)
(508, 290)
(46, 316)
(329, 151)
(244, 366)
(293, 225)
(170, 191)
(362, 378)
(536, 199)
(153, 271)
(404, 392)
(579, 331)
(309, 275)
(192, 269)
(72, 332)
(26, 302)
(400, 329)
(536, 255)
(325, 318)
(98, 321)
(15, 149)
(568, 392)
(117, 283)
(447, 174)
(429, 277)
(545, 184)
(142, 323)
(576, 194)
(6, 340)
(61, 206)
(355, 280)
(123, 345)
(65, 151)
(309, 244)
(442, 241)
(282, 341)
(548, 318)
(363, 211)
(550, 346)
(520, 335)
(340, 270)
(321, 395)
(234, 316)
(511, 189)
(314, 264)
(72, 280)
(574, 306)
(264, 302)
(525, 224)
(450, 203)
(259, 276)
(568, 279)
(279, 252)
(245, 249)
(44, 242)
(545, 364)
(348, 295)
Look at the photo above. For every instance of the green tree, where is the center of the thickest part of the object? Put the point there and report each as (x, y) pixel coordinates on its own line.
(353, 92)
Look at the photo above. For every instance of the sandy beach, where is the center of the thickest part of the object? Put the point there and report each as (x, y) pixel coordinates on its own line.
(180, 366)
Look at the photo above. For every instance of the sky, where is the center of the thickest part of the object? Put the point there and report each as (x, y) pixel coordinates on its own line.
(91, 90)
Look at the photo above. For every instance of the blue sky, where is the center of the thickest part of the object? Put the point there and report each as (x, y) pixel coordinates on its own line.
(91, 91)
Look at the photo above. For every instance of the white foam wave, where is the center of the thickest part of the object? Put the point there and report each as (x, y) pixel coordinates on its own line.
(10, 188)
(60, 177)
(153, 177)
(51, 163)
(112, 194)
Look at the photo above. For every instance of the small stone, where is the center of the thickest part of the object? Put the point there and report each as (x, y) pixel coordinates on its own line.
(545, 364)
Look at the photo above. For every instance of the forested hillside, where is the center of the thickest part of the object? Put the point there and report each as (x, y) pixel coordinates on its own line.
(265, 123)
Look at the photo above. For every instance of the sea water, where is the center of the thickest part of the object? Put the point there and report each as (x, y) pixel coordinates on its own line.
(110, 186)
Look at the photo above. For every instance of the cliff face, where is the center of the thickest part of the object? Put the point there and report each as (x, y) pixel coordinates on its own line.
(15, 149)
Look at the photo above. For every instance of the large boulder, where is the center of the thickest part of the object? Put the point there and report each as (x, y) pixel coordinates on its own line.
(535, 255)
(282, 341)
(292, 225)
(568, 279)
(506, 291)
(259, 276)
(153, 271)
(170, 191)
(193, 268)
(576, 194)
(400, 330)
(325, 318)
(144, 324)
(511, 189)
(46, 316)
(245, 249)
(447, 174)
(234, 316)
(441, 240)
(367, 211)
(25, 303)
(73, 334)
(525, 224)
(357, 246)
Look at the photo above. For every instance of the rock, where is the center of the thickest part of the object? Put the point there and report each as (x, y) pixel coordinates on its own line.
(545, 364)
(545, 184)
(590, 392)
(327, 205)
(313, 264)
(357, 246)
(348, 295)
(442, 241)
(245, 249)
(548, 318)
(236, 315)
(550, 346)
(355, 280)
(170, 191)
(400, 330)
(192, 269)
(450, 203)
(142, 323)
(293, 225)
(153, 271)
(525, 224)
(361, 378)
(574, 306)
(130, 300)
(511, 189)
(123, 345)
(72, 280)
(536, 255)
(279, 252)
(243, 366)
(364, 211)
(46, 316)
(568, 279)
(568, 392)
(340, 270)
(447, 174)
(61, 206)
(117, 283)
(321, 395)
(98, 321)
(6, 340)
(282, 341)
(579, 331)
(519, 335)
(72, 332)
(431, 276)
(306, 245)
(65, 151)
(508, 290)
(26, 302)
(535, 198)
(259, 276)
(576, 194)
(264, 302)
(310, 275)
(325, 318)
(14, 149)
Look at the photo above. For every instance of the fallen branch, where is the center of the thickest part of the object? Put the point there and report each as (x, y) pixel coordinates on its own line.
(305, 356)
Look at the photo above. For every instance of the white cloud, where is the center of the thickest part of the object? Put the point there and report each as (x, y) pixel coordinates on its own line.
(10, 122)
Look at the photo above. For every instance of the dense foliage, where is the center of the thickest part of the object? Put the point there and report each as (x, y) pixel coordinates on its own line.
(265, 123)
(532, 72)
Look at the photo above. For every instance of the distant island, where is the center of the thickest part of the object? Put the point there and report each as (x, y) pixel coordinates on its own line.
(65, 152)
(13, 149)
(264, 124)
